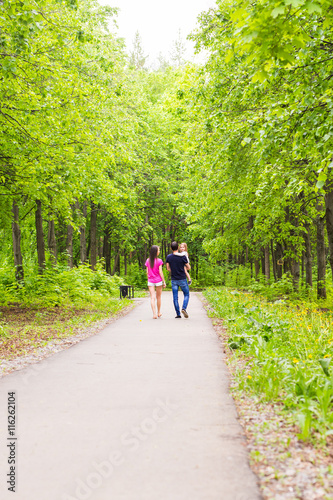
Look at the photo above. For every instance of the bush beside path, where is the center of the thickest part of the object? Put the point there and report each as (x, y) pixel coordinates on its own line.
(279, 355)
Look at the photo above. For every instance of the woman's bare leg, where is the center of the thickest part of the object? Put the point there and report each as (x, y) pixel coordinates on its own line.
(159, 299)
(152, 300)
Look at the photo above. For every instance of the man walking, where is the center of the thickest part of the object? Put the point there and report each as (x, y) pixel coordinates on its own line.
(176, 264)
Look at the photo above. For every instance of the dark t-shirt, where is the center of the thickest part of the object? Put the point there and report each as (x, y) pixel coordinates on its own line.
(177, 263)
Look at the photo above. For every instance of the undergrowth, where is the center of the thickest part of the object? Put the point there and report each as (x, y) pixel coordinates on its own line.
(53, 305)
(286, 349)
(58, 286)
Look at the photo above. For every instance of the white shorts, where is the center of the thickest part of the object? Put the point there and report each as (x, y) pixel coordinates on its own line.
(160, 283)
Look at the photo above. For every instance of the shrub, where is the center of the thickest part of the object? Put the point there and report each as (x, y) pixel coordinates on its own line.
(287, 349)
(137, 277)
(60, 285)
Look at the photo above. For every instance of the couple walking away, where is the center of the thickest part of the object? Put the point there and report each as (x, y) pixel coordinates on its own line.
(178, 264)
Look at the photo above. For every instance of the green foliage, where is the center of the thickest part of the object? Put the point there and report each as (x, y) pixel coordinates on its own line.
(60, 286)
(274, 289)
(83, 133)
(239, 276)
(137, 277)
(209, 274)
(259, 139)
(288, 351)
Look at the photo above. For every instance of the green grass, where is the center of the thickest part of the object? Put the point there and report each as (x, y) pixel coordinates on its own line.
(285, 353)
(54, 305)
(29, 328)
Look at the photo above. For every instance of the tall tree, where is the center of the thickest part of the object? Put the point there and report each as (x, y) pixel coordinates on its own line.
(137, 58)
(40, 236)
(16, 231)
(178, 50)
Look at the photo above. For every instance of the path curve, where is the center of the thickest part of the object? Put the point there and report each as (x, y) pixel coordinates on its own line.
(140, 411)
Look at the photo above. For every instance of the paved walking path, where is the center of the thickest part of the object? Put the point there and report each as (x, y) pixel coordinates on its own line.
(140, 411)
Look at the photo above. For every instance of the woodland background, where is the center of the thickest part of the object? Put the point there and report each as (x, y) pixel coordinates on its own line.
(100, 157)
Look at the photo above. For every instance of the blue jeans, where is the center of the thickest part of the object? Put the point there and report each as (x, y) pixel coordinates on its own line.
(175, 284)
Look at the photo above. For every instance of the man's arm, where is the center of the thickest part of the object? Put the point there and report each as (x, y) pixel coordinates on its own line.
(186, 263)
(168, 267)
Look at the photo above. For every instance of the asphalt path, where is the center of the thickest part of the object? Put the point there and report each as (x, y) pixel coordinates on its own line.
(139, 411)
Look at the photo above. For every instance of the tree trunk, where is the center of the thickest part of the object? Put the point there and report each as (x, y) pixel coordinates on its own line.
(173, 225)
(303, 264)
(295, 271)
(100, 247)
(116, 261)
(193, 263)
(69, 246)
(83, 242)
(88, 247)
(145, 244)
(125, 263)
(329, 220)
(138, 256)
(162, 250)
(321, 260)
(256, 268)
(107, 247)
(279, 260)
(262, 262)
(93, 236)
(16, 232)
(286, 260)
(267, 266)
(40, 237)
(69, 238)
(308, 256)
(274, 261)
(119, 264)
(51, 241)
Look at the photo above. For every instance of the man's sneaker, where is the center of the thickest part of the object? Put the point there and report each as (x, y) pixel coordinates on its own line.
(177, 317)
(185, 313)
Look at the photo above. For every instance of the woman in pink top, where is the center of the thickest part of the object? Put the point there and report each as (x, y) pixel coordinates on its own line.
(155, 278)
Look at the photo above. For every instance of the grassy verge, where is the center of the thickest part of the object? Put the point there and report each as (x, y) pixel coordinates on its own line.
(59, 304)
(285, 353)
(279, 357)
(26, 329)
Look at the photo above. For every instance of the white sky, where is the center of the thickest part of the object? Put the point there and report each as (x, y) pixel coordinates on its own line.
(158, 23)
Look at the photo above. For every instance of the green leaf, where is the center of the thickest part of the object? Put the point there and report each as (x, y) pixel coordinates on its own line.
(294, 3)
(229, 55)
(325, 363)
(321, 180)
(277, 11)
(260, 76)
(246, 140)
(234, 345)
(312, 7)
(238, 14)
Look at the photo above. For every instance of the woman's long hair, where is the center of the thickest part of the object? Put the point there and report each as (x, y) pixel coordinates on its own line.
(153, 255)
